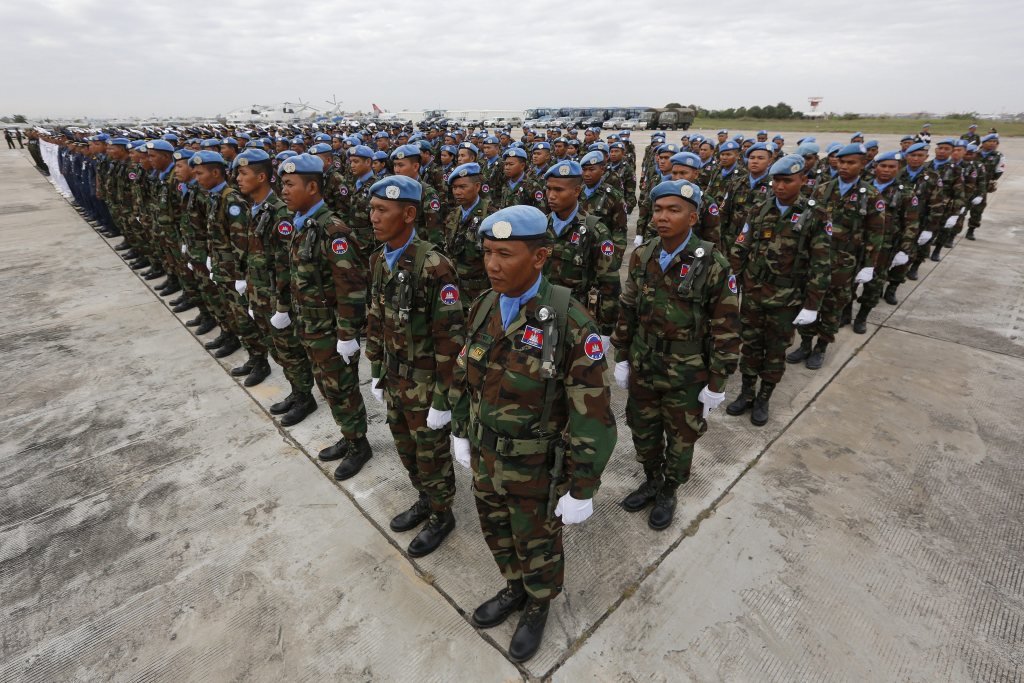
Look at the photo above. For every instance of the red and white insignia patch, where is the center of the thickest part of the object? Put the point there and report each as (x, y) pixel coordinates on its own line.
(538, 195)
(594, 347)
(131, 176)
(449, 295)
(713, 209)
(607, 247)
(732, 284)
(574, 238)
(684, 270)
(435, 205)
(343, 191)
(533, 336)
(880, 205)
(339, 245)
(486, 187)
(913, 201)
(285, 228)
(828, 228)
(795, 218)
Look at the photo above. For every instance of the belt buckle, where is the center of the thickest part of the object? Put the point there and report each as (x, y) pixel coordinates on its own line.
(507, 444)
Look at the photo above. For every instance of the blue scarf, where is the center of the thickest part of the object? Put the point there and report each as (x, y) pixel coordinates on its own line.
(559, 225)
(466, 212)
(301, 218)
(591, 190)
(882, 187)
(845, 187)
(392, 255)
(510, 305)
(665, 258)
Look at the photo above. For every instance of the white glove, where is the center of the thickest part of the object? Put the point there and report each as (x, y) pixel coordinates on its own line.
(865, 275)
(209, 264)
(240, 286)
(212, 278)
(924, 237)
(251, 314)
(622, 374)
(899, 259)
(606, 343)
(461, 448)
(710, 399)
(574, 511)
(951, 221)
(378, 393)
(437, 419)
(638, 240)
(280, 320)
(347, 349)
(184, 249)
(190, 266)
(977, 200)
(805, 317)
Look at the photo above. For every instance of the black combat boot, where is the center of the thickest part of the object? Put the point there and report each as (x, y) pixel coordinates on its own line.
(745, 400)
(860, 323)
(530, 631)
(194, 322)
(437, 528)
(334, 452)
(153, 273)
(817, 357)
(970, 234)
(644, 494)
(124, 246)
(172, 286)
(285, 404)
(912, 273)
(139, 263)
(207, 324)
(301, 408)
(664, 508)
(801, 353)
(186, 304)
(413, 517)
(949, 242)
(759, 415)
(229, 347)
(358, 454)
(847, 317)
(217, 341)
(260, 371)
(890, 294)
(178, 300)
(496, 610)
(245, 368)
(936, 250)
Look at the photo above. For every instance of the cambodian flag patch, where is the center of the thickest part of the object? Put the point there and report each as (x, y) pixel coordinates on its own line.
(594, 347)
(913, 201)
(795, 218)
(880, 205)
(343, 191)
(533, 336)
(449, 295)
(574, 238)
(828, 228)
(435, 205)
(732, 284)
(538, 195)
(607, 248)
(684, 270)
(285, 228)
(713, 209)
(486, 187)
(339, 246)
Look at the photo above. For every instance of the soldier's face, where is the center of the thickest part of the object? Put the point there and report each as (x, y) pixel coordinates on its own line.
(592, 174)
(958, 153)
(589, 137)
(616, 155)
(673, 217)
(917, 159)
(378, 166)
(680, 172)
(446, 158)
(182, 171)
(563, 193)
(409, 167)
(757, 162)
(298, 193)
(465, 191)
(208, 176)
(514, 167)
(809, 161)
(248, 180)
(392, 221)
(942, 152)
(465, 156)
(850, 166)
(491, 151)
(989, 145)
(872, 153)
(512, 266)
(728, 157)
(541, 157)
(360, 166)
(228, 152)
(886, 170)
(704, 151)
(787, 187)
(833, 161)
(665, 162)
(904, 144)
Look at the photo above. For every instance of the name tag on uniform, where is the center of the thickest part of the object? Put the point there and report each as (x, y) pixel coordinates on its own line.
(768, 232)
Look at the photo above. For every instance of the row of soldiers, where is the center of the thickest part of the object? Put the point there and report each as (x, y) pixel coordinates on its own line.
(517, 380)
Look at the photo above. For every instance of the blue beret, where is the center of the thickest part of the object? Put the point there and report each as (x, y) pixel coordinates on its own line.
(160, 146)
(250, 156)
(600, 147)
(990, 136)
(778, 137)
(517, 152)
(809, 138)
(254, 144)
(381, 134)
(871, 144)
(832, 148)
(916, 147)
(698, 137)
(406, 151)
(319, 148)
(946, 141)
(470, 146)
(807, 148)
(762, 132)
(361, 151)
(464, 171)
(477, 135)
(287, 154)
(170, 137)
(320, 137)
(103, 137)
(138, 146)
(541, 145)
(491, 140)
(858, 134)
(517, 143)
(302, 163)
(206, 156)
(889, 156)
(118, 141)
(658, 135)
(728, 146)
(852, 148)
(906, 137)
(616, 145)
(926, 125)
(397, 188)
(972, 147)
(229, 141)
(243, 136)
(380, 155)
(760, 146)
(677, 188)
(185, 154)
(520, 222)
(562, 139)
(298, 140)
(686, 159)
(668, 148)
(451, 149)
(353, 140)
(209, 144)
(565, 169)
(973, 125)
(594, 129)
(724, 131)
(592, 159)
(960, 143)
(614, 137)
(624, 133)
(791, 164)
(425, 147)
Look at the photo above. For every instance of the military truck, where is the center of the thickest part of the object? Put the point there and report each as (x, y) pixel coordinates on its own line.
(676, 118)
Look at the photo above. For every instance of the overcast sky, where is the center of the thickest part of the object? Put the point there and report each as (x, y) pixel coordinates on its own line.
(101, 58)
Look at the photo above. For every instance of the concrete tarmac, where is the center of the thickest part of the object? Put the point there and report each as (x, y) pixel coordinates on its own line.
(156, 524)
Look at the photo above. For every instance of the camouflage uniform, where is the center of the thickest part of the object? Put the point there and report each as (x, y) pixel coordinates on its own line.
(606, 201)
(993, 165)
(721, 181)
(902, 226)
(462, 246)
(357, 208)
(429, 219)
(526, 192)
(328, 295)
(498, 401)
(742, 199)
(414, 333)
(947, 201)
(665, 321)
(624, 175)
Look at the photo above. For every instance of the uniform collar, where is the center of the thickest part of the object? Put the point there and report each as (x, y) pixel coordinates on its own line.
(300, 218)
(391, 256)
(665, 258)
(466, 212)
(362, 180)
(558, 225)
(591, 190)
(510, 306)
(215, 190)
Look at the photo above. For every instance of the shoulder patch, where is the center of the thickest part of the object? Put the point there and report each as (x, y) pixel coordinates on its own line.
(339, 245)
(713, 209)
(913, 201)
(828, 228)
(343, 191)
(435, 205)
(593, 346)
(285, 228)
(607, 247)
(235, 210)
(732, 284)
(533, 336)
(538, 195)
(880, 205)
(449, 295)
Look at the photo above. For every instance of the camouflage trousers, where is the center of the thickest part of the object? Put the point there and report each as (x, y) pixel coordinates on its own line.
(242, 326)
(974, 213)
(885, 274)
(923, 250)
(839, 294)
(338, 382)
(424, 451)
(666, 420)
(511, 496)
(210, 294)
(284, 346)
(766, 334)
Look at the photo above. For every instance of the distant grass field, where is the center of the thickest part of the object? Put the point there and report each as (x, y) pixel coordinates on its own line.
(868, 126)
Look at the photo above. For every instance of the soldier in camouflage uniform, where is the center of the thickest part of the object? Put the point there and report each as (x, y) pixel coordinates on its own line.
(583, 256)
(266, 262)
(658, 173)
(676, 343)
(531, 418)
(461, 231)
(947, 199)
(969, 175)
(518, 186)
(782, 256)
(902, 225)
(746, 192)
(809, 151)
(164, 214)
(356, 193)
(429, 222)
(686, 166)
(623, 172)
(603, 199)
(979, 175)
(917, 175)
(992, 161)
(414, 333)
(191, 293)
(540, 160)
(328, 288)
(853, 214)
(727, 169)
(334, 194)
(971, 136)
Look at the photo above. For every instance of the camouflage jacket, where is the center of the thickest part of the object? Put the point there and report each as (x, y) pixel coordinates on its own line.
(415, 323)
(979, 176)
(328, 277)
(741, 199)
(357, 200)
(429, 222)
(949, 193)
(783, 256)
(227, 232)
(334, 191)
(923, 192)
(267, 270)
(583, 259)
(498, 387)
(624, 174)
(720, 182)
(607, 203)
(462, 245)
(193, 224)
(855, 220)
(526, 192)
(165, 207)
(902, 220)
(682, 323)
(994, 167)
